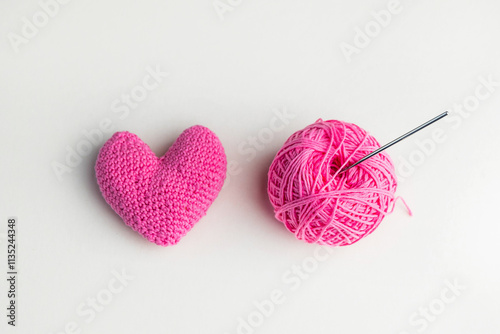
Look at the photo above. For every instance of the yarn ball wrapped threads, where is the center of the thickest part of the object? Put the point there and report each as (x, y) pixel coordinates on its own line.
(318, 203)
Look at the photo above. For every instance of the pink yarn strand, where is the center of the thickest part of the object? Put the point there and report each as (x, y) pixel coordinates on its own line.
(318, 204)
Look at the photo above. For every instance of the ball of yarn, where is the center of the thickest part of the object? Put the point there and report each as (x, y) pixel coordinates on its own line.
(318, 203)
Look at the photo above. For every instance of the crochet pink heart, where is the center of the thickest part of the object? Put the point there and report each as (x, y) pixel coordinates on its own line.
(162, 198)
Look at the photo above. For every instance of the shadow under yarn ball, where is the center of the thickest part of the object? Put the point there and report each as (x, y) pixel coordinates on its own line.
(318, 203)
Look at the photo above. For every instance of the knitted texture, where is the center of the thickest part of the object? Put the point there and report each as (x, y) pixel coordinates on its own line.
(162, 198)
(318, 203)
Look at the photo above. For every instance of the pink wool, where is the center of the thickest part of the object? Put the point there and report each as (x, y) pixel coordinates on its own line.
(162, 198)
(318, 204)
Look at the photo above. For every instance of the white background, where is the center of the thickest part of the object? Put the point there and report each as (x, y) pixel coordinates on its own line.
(231, 75)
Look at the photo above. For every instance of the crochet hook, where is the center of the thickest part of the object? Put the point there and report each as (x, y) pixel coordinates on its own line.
(397, 140)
